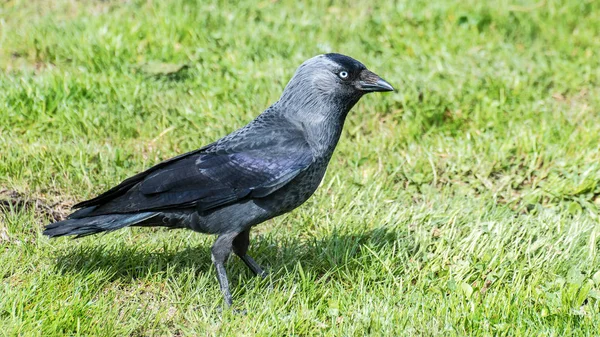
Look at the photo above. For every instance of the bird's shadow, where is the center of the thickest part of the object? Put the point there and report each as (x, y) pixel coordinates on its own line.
(318, 256)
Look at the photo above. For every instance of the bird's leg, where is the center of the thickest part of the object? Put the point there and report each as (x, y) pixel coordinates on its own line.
(220, 252)
(255, 267)
(240, 247)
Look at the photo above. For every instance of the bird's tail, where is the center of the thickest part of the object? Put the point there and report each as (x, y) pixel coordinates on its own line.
(95, 224)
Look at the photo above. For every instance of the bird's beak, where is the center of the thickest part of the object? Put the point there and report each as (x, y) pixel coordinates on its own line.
(368, 81)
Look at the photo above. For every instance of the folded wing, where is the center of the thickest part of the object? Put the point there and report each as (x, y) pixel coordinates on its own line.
(208, 178)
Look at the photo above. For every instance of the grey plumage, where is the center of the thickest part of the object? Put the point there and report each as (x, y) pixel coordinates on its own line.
(262, 170)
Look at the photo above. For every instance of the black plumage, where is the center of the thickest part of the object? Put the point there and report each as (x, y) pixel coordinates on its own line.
(265, 169)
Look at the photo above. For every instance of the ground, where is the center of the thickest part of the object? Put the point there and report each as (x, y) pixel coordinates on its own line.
(464, 204)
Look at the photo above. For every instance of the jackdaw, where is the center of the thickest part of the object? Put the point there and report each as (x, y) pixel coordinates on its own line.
(262, 170)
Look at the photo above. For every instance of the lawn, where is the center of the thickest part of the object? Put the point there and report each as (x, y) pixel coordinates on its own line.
(464, 204)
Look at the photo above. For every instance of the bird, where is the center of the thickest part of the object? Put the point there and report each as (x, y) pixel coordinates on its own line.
(262, 170)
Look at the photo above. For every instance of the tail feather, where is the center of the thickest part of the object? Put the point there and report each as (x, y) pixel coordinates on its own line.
(96, 224)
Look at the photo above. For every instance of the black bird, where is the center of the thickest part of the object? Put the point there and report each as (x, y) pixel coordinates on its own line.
(265, 169)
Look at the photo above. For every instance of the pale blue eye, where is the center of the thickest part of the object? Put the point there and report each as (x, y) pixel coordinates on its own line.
(343, 75)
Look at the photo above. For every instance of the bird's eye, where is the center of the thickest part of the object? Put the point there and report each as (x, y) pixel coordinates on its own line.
(343, 75)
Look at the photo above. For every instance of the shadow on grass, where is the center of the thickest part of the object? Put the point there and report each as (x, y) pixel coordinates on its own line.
(316, 256)
(128, 263)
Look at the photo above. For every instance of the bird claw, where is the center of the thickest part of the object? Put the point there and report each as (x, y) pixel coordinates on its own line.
(237, 312)
(263, 274)
(240, 312)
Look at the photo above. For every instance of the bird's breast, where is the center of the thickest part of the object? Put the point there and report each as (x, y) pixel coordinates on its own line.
(300, 189)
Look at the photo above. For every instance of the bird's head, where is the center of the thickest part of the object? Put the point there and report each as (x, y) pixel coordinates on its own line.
(333, 80)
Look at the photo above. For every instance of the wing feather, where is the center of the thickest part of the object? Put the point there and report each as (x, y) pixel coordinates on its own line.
(209, 179)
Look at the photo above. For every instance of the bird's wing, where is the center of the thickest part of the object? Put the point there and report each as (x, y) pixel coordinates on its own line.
(208, 179)
(128, 183)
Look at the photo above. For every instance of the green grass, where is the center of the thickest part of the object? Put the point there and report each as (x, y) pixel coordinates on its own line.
(467, 203)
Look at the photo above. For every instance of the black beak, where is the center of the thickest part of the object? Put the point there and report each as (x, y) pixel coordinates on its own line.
(370, 82)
